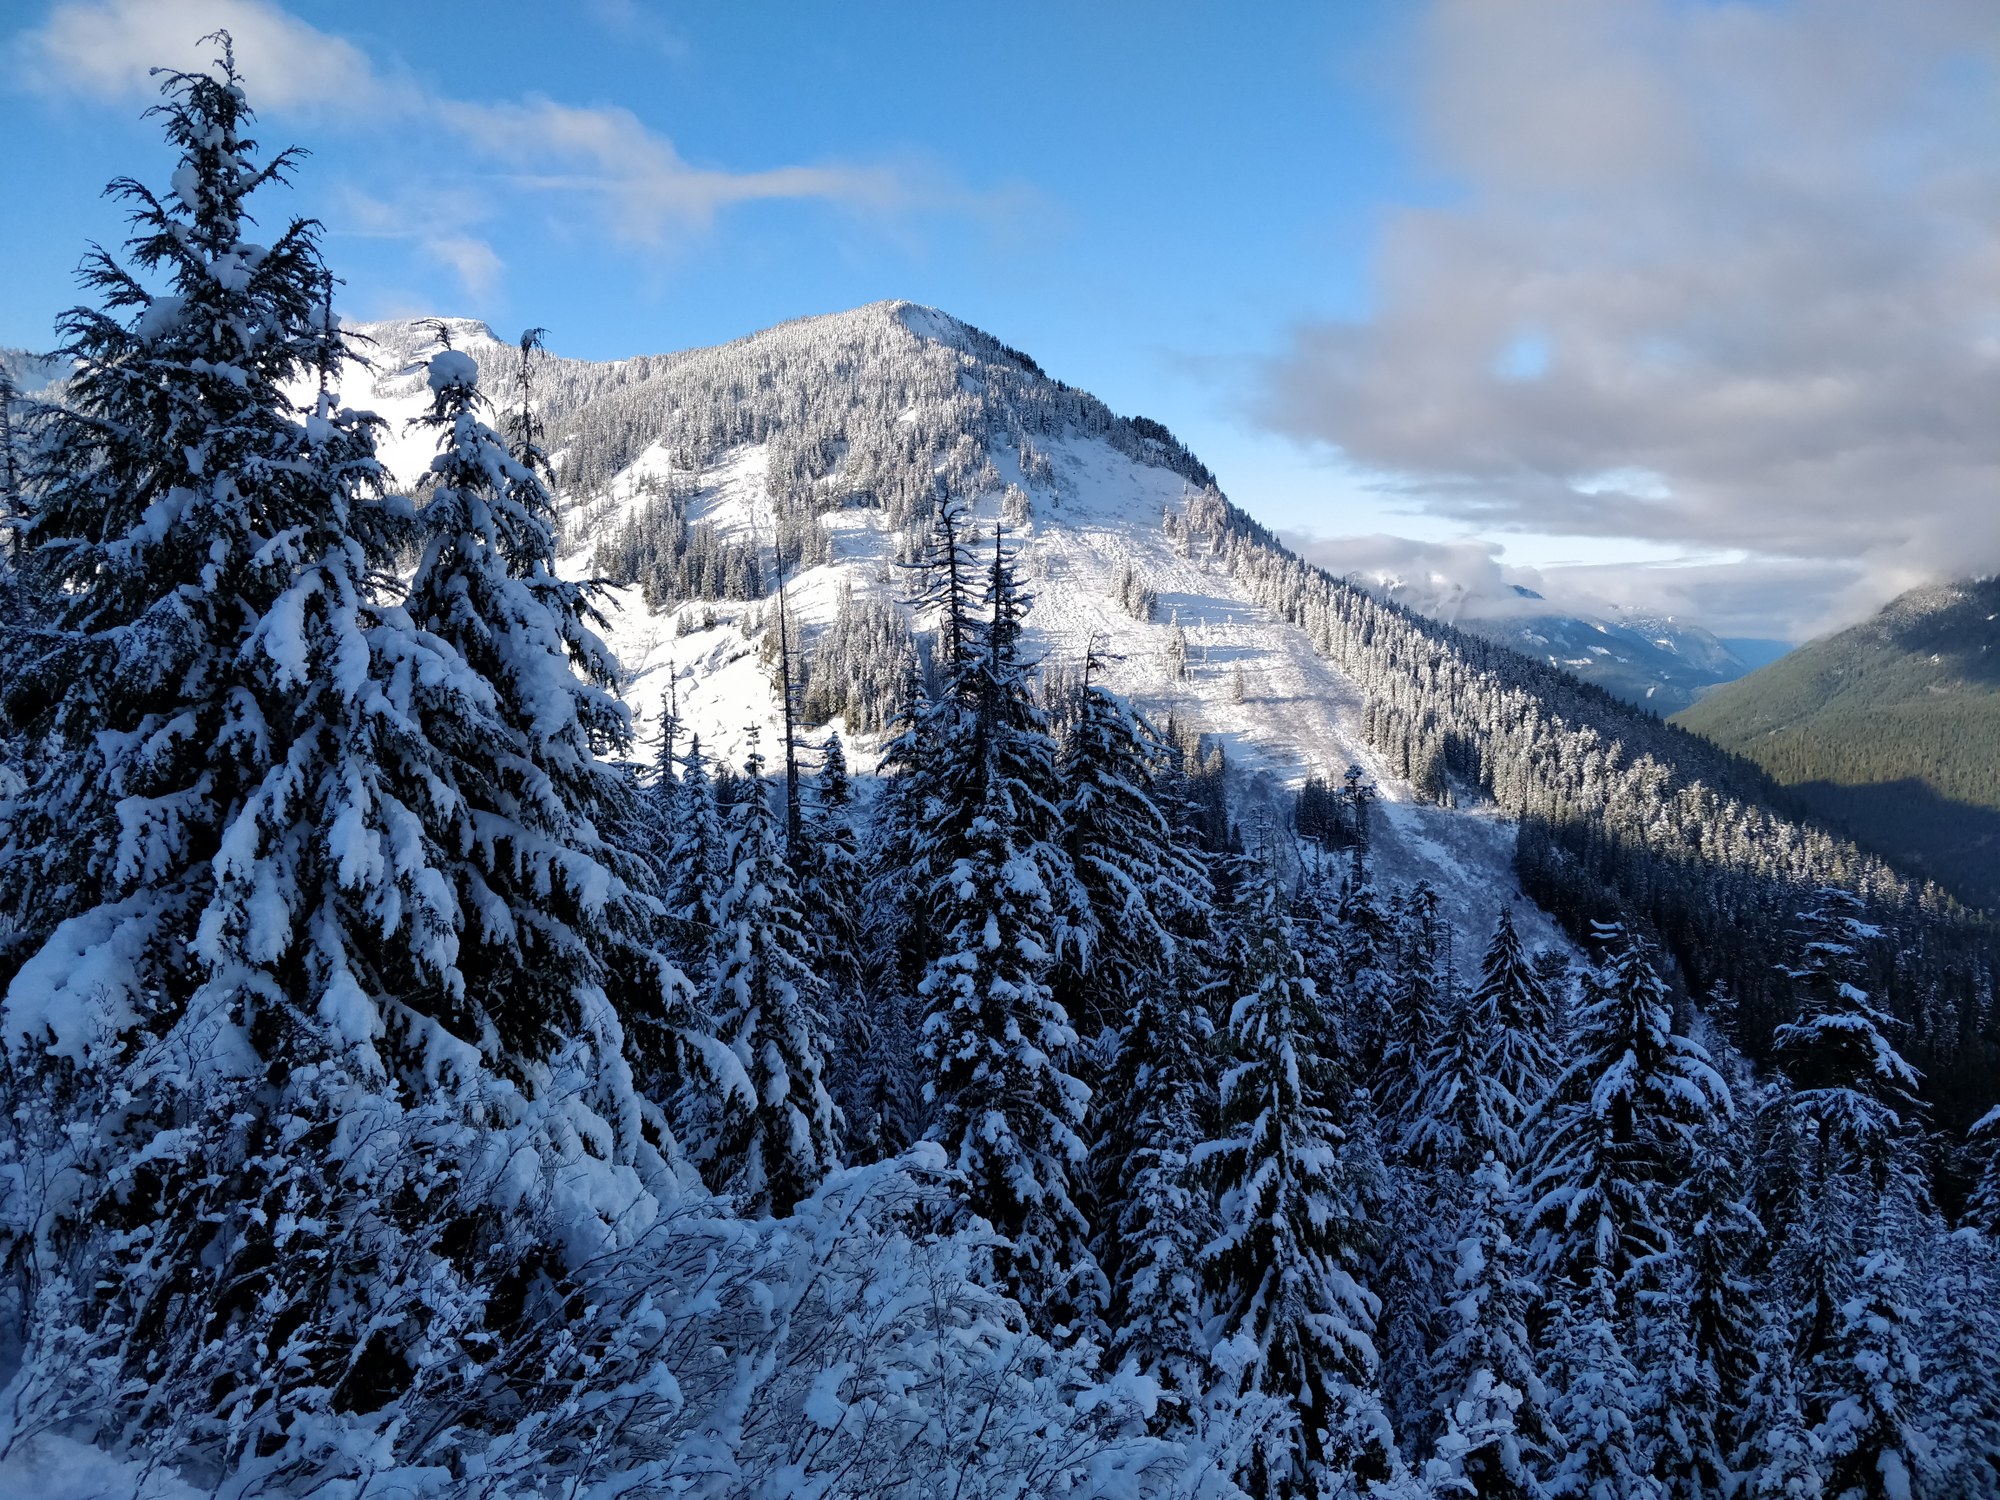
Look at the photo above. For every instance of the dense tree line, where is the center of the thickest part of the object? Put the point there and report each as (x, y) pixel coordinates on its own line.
(1625, 818)
(854, 409)
(672, 559)
(857, 669)
(1622, 818)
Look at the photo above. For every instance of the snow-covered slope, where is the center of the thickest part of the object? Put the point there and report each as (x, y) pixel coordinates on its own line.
(31, 374)
(1081, 498)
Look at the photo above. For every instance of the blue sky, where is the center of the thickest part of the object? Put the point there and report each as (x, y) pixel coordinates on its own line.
(1373, 261)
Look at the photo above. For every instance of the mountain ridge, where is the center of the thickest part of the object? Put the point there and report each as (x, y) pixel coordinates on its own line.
(1088, 502)
(1653, 661)
(833, 438)
(1889, 729)
(1506, 781)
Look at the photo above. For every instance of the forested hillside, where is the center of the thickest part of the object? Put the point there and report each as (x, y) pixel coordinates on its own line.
(418, 1083)
(1890, 730)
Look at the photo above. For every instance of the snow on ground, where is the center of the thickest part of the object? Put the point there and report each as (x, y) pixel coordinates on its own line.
(51, 1467)
(1297, 716)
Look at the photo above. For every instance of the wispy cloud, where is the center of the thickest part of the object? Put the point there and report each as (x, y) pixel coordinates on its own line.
(107, 49)
(603, 156)
(609, 156)
(634, 21)
(437, 220)
(1750, 251)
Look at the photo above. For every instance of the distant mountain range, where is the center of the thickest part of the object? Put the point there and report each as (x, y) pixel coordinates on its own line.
(1889, 729)
(1654, 661)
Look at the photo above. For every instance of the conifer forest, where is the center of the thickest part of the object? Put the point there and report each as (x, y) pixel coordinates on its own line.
(425, 1075)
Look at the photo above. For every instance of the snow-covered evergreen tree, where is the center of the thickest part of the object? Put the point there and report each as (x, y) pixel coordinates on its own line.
(901, 829)
(1463, 1112)
(1858, 1207)
(560, 918)
(1367, 944)
(1619, 1126)
(1959, 1334)
(1709, 1301)
(1154, 1217)
(1419, 1007)
(831, 880)
(774, 1147)
(1851, 1089)
(1982, 1207)
(1513, 1010)
(295, 1146)
(1603, 1456)
(831, 876)
(1135, 880)
(1495, 1440)
(1679, 1412)
(1317, 931)
(1284, 1268)
(1153, 1109)
(1009, 1110)
(1867, 1386)
(695, 869)
(1778, 1457)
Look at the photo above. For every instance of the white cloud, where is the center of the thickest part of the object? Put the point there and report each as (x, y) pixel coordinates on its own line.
(1716, 276)
(607, 156)
(1451, 580)
(107, 49)
(437, 220)
(644, 186)
(476, 263)
(1733, 595)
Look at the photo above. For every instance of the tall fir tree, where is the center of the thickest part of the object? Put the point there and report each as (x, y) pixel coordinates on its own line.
(776, 1146)
(1678, 1412)
(1849, 1102)
(696, 868)
(1367, 945)
(1596, 1410)
(1154, 1218)
(1419, 1007)
(1959, 1335)
(831, 876)
(1009, 1109)
(1495, 1440)
(1284, 1269)
(1619, 1127)
(1712, 1292)
(564, 916)
(1866, 1388)
(1463, 1111)
(1777, 1457)
(1511, 1007)
(901, 831)
(1135, 881)
(252, 969)
(1850, 1087)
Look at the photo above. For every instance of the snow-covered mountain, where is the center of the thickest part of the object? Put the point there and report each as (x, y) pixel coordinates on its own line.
(861, 415)
(31, 374)
(1656, 661)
